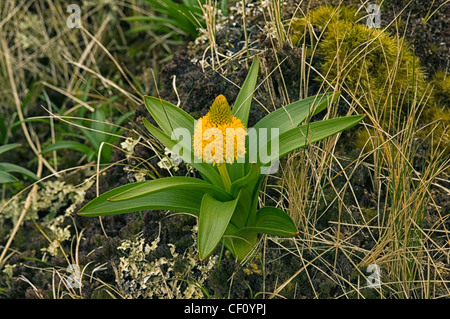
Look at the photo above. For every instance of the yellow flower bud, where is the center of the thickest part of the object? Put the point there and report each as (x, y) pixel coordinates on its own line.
(221, 119)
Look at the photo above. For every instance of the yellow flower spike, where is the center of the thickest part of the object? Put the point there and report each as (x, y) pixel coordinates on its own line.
(220, 133)
(220, 111)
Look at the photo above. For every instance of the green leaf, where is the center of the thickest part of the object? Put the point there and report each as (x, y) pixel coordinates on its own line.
(242, 211)
(314, 132)
(309, 133)
(213, 221)
(205, 169)
(273, 221)
(167, 183)
(256, 185)
(240, 246)
(248, 179)
(236, 170)
(241, 107)
(100, 128)
(70, 145)
(6, 178)
(181, 15)
(148, 27)
(3, 131)
(269, 220)
(165, 139)
(149, 19)
(120, 121)
(8, 147)
(13, 168)
(290, 116)
(185, 201)
(168, 116)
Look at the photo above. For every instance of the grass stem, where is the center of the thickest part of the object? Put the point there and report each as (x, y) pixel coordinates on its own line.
(224, 174)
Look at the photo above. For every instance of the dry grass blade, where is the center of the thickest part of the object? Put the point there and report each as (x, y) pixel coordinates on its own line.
(316, 181)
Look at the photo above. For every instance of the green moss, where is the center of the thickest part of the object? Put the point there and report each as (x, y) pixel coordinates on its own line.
(131, 229)
(370, 61)
(439, 111)
(439, 116)
(320, 18)
(441, 89)
(371, 64)
(364, 139)
(369, 213)
(374, 67)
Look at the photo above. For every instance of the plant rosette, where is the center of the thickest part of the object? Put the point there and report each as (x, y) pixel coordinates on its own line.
(232, 161)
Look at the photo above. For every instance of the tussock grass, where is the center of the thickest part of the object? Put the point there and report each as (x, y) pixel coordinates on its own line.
(406, 227)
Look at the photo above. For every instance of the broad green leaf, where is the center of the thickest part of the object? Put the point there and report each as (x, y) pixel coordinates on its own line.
(183, 16)
(205, 169)
(256, 186)
(241, 107)
(99, 125)
(8, 147)
(236, 170)
(168, 116)
(13, 168)
(193, 4)
(149, 19)
(273, 221)
(175, 182)
(247, 180)
(3, 131)
(314, 132)
(180, 14)
(269, 220)
(6, 178)
(244, 205)
(166, 139)
(213, 221)
(148, 27)
(70, 145)
(185, 201)
(309, 133)
(240, 246)
(292, 115)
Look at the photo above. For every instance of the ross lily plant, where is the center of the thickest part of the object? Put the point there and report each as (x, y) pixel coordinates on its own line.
(232, 160)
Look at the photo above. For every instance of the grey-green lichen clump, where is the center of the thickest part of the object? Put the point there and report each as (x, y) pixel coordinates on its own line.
(58, 200)
(180, 275)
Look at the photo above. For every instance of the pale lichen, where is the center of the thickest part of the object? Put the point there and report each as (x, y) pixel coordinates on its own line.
(59, 200)
(8, 270)
(170, 160)
(53, 197)
(59, 234)
(140, 276)
(128, 146)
